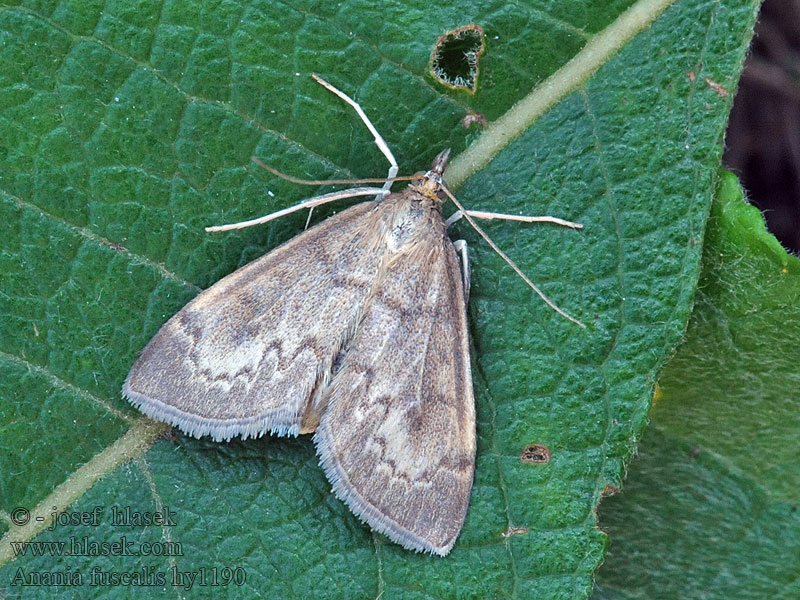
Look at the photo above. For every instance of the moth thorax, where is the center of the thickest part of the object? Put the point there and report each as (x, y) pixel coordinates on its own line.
(411, 221)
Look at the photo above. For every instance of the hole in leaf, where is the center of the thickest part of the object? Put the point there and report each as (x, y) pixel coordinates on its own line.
(454, 61)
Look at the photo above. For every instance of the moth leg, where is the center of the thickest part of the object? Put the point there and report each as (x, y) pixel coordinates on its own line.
(464, 212)
(456, 216)
(461, 248)
(379, 141)
(488, 216)
(308, 219)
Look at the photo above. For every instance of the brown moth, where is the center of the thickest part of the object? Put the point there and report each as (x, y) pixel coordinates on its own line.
(356, 331)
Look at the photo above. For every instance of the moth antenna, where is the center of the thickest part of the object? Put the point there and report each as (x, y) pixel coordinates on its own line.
(309, 203)
(510, 262)
(379, 141)
(275, 171)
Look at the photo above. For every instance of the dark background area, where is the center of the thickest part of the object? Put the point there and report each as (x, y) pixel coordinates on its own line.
(762, 145)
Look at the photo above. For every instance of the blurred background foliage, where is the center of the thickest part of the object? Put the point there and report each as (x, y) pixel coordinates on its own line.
(763, 140)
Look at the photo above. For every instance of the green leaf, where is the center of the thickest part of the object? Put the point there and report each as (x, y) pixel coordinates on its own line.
(127, 127)
(710, 505)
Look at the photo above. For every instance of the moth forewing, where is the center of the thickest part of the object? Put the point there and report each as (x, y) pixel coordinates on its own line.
(397, 439)
(245, 356)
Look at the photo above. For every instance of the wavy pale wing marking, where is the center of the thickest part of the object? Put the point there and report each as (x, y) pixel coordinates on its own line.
(398, 438)
(245, 355)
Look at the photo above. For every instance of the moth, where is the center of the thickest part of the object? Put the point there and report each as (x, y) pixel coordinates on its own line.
(355, 331)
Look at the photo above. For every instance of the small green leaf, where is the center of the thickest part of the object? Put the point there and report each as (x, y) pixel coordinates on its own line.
(127, 127)
(710, 505)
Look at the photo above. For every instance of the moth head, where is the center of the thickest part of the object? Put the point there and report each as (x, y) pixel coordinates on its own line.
(431, 182)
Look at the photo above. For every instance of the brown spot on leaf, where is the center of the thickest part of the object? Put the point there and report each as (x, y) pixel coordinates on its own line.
(721, 91)
(115, 245)
(514, 531)
(473, 118)
(610, 490)
(535, 453)
(691, 75)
